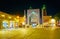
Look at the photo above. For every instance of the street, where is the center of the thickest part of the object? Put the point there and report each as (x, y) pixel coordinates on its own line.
(30, 33)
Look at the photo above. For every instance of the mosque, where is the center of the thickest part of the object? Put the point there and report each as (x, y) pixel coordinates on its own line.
(32, 17)
(36, 16)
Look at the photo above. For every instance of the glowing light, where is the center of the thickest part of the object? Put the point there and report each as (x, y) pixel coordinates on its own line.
(5, 23)
(52, 20)
(3, 15)
(53, 28)
(33, 25)
(9, 17)
(53, 23)
(11, 24)
(23, 23)
(16, 24)
(17, 16)
(33, 12)
(17, 20)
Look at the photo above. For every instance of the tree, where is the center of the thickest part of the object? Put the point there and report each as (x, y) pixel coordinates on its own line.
(57, 16)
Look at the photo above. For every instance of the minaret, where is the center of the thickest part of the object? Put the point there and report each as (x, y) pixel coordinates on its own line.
(25, 16)
(44, 13)
(30, 7)
(44, 10)
(28, 11)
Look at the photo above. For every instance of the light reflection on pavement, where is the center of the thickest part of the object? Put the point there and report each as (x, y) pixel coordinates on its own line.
(30, 33)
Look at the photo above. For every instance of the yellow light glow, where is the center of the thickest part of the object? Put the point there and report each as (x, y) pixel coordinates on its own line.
(3, 15)
(53, 20)
(5, 21)
(9, 17)
(23, 23)
(53, 24)
(17, 20)
(17, 16)
(53, 28)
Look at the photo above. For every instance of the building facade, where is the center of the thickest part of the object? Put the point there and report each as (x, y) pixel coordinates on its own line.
(33, 16)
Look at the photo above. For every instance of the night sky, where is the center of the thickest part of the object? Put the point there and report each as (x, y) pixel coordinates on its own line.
(18, 6)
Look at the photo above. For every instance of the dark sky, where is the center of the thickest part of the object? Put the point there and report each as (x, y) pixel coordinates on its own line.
(10, 6)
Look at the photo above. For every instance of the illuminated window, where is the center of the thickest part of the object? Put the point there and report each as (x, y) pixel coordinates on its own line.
(5, 24)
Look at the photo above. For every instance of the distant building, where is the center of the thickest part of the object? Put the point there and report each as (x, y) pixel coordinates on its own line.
(33, 16)
(45, 17)
(10, 21)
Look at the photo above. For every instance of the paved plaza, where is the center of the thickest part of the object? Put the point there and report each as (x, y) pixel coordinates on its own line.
(30, 33)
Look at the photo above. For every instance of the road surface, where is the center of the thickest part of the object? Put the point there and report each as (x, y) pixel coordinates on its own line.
(30, 33)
